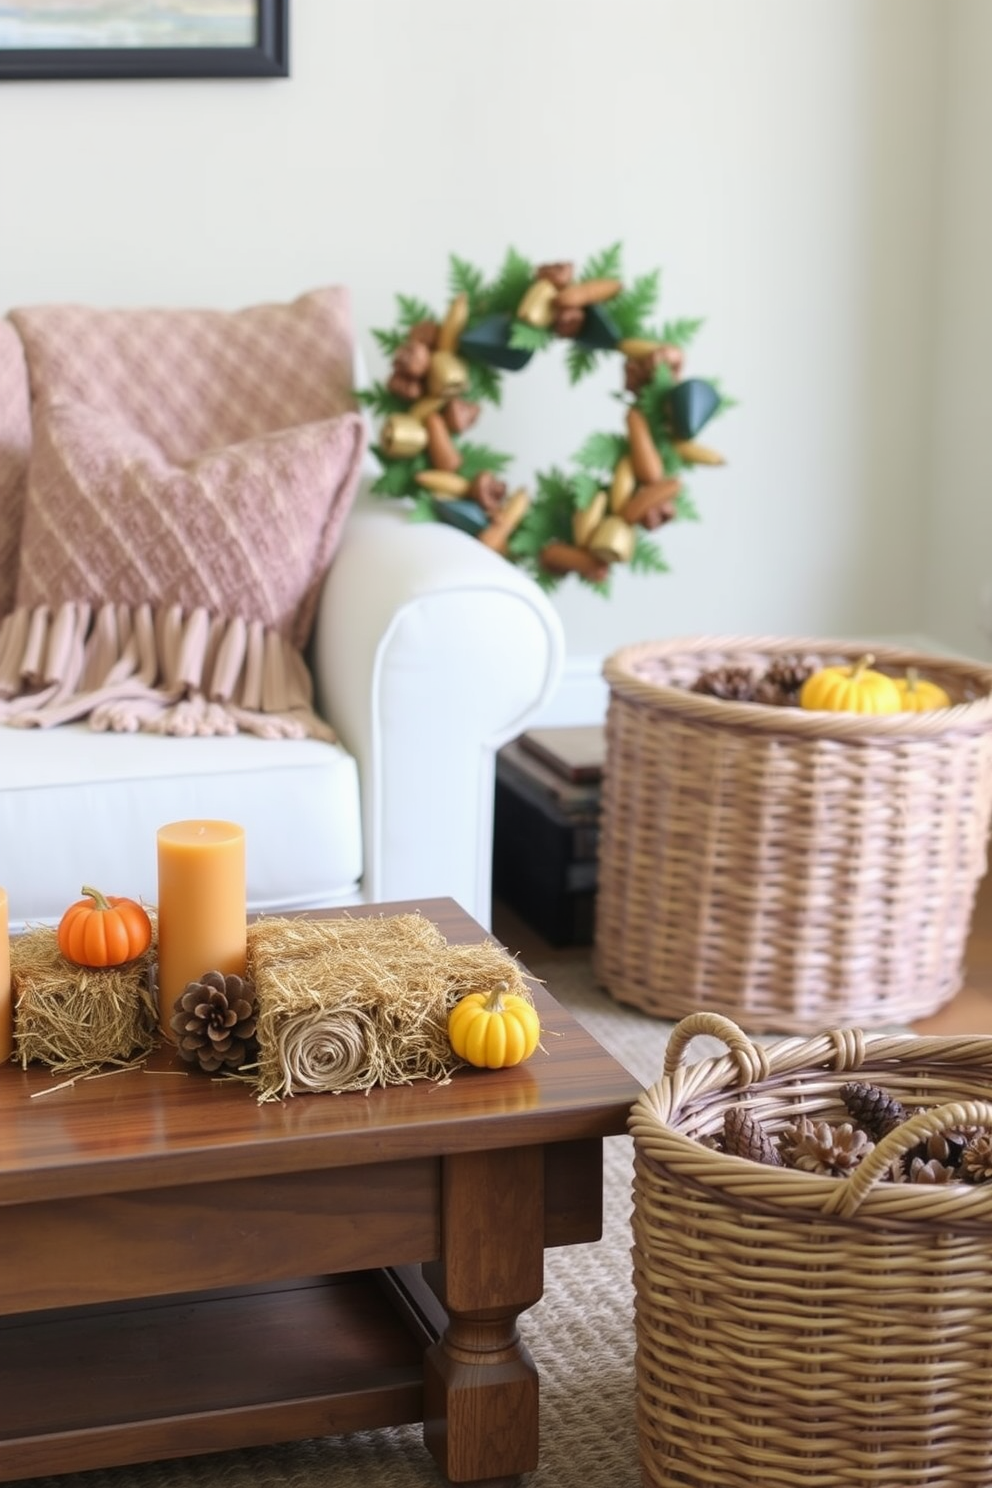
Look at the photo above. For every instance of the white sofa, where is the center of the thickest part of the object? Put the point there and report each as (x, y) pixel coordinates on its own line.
(429, 652)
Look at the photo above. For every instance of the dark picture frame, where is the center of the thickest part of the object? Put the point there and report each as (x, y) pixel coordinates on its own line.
(269, 57)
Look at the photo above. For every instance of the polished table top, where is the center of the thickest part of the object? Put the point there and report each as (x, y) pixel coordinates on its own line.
(164, 1124)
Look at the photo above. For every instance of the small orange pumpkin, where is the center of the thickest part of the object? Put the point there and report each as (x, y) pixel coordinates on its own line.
(98, 931)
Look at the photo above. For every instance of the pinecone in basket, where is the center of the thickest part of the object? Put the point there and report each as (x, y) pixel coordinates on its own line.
(943, 1147)
(733, 683)
(836, 1150)
(780, 685)
(931, 1171)
(744, 1136)
(792, 1134)
(215, 1021)
(873, 1108)
(960, 1136)
(976, 1159)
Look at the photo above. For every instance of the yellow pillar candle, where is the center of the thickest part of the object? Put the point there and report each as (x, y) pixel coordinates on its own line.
(202, 912)
(6, 993)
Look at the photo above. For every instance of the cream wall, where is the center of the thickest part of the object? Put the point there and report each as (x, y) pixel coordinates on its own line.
(780, 161)
(958, 554)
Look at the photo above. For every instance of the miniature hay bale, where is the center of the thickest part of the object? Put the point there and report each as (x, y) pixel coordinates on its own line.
(72, 1017)
(345, 1005)
(348, 1004)
(480, 968)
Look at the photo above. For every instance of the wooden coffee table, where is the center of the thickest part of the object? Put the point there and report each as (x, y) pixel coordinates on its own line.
(184, 1270)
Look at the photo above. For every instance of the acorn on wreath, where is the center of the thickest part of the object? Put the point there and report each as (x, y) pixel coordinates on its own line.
(215, 1022)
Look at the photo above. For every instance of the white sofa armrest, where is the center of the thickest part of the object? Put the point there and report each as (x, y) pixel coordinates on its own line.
(429, 652)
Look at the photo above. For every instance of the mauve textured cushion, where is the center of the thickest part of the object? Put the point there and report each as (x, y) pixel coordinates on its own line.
(15, 446)
(194, 380)
(244, 531)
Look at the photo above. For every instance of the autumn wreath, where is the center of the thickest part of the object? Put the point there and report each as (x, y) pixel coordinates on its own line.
(624, 485)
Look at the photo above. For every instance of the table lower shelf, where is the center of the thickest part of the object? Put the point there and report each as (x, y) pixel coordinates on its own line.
(106, 1385)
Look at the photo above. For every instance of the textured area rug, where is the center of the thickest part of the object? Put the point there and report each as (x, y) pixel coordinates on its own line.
(580, 1333)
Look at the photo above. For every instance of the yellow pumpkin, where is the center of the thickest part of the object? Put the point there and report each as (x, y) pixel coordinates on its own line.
(494, 1030)
(851, 689)
(918, 695)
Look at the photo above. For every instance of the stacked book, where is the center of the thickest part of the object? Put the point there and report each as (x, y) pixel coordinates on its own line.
(546, 830)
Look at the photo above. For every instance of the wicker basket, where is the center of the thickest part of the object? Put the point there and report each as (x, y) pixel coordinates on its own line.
(794, 870)
(794, 1329)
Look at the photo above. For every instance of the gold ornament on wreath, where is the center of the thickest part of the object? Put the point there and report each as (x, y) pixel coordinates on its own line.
(626, 484)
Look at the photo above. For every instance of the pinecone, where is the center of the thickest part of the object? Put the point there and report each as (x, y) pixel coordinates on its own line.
(873, 1108)
(944, 1147)
(744, 1136)
(786, 676)
(976, 1159)
(931, 1171)
(941, 1148)
(215, 1020)
(831, 1149)
(960, 1136)
(773, 696)
(792, 1134)
(735, 684)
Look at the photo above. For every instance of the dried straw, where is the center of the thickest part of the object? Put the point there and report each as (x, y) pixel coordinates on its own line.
(348, 1004)
(74, 1018)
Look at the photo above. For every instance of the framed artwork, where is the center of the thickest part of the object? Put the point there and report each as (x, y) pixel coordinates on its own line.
(143, 39)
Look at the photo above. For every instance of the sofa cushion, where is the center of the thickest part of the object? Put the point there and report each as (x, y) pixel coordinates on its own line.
(15, 445)
(192, 382)
(247, 530)
(195, 379)
(78, 798)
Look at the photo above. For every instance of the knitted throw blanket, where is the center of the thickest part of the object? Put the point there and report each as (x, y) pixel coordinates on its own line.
(189, 476)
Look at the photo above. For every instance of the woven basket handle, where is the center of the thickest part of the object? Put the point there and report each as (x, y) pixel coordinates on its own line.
(752, 1062)
(848, 1196)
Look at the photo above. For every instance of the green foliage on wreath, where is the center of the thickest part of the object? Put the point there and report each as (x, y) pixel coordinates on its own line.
(558, 494)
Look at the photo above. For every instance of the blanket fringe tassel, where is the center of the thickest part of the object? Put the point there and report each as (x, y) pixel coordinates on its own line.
(154, 670)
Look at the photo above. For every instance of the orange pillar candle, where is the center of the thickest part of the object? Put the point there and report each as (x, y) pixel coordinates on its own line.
(6, 993)
(202, 912)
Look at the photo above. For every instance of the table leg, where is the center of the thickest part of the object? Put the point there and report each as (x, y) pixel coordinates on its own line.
(480, 1383)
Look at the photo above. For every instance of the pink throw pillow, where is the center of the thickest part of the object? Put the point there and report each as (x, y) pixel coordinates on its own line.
(246, 531)
(15, 448)
(196, 379)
